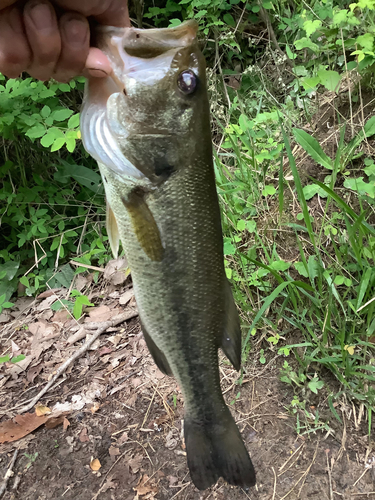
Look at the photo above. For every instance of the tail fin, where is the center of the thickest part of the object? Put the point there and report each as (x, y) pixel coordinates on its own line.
(216, 450)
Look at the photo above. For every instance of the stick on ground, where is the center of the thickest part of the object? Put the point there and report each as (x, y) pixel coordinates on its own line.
(8, 474)
(101, 328)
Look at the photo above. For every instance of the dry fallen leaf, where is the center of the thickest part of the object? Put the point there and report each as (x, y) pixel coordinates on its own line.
(99, 314)
(83, 437)
(135, 463)
(113, 451)
(170, 441)
(48, 293)
(54, 421)
(66, 423)
(95, 407)
(33, 372)
(126, 297)
(95, 465)
(20, 426)
(122, 439)
(145, 487)
(109, 484)
(116, 271)
(42, 410)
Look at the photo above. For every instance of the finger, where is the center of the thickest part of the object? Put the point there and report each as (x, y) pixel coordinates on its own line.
(116, 14)
(97, 64)
(6, 3)
(75, 41)
(107, 12)
(15, 54)
(44, 38)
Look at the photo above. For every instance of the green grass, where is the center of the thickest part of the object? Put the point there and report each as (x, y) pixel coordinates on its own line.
(326, 293)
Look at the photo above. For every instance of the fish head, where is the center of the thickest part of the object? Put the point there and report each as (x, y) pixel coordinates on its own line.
(153, 106)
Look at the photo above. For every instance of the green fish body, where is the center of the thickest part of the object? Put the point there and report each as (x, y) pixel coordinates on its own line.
(148, 127)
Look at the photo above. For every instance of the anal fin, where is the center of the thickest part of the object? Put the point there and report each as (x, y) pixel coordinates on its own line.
(231, 337)
(158, 356)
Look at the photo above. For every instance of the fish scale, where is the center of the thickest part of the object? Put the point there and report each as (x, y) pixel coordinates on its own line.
(153, 147)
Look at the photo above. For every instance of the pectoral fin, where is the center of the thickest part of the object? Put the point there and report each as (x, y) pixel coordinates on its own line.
(112, 230)
(159, 357)
(144, 225)
(231, 338)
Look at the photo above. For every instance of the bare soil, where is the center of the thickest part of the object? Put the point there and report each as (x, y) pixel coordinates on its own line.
(128, 417)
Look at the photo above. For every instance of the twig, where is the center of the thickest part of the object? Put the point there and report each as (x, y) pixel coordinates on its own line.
(299, 449)
(360, 477)
(217, 57)
(303, 475)
(182, 489)
(105, 477)
(266, 19)
(8, 474)
(101, 329)
(329, 478)
(87, 266)
(274, 484)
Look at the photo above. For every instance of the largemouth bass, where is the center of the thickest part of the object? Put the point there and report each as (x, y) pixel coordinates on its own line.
(148, 127)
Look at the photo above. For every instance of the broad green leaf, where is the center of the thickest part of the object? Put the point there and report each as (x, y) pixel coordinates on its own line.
(229, 248)
(65, 275)
(310, 83)
(83, 175)
(10, 268)
(70, 145)
(268, 190)
(306, 43)
(313, 148)
(64, 87)
(228, 18)
(311, 190)
(25, 281)
(37, 131)
(330, 79)
(61, 114)
(289, 53)
(174, 22)
(360, 186)
(46, 111)
(311, 26)
(74, 121)
(280, 265)
(81, 301)
(315, 384)
(58, 144)
(339, 17)
(48, 139)
(241, 225)
(300, 267)
(366, 41)
(370, 127)
(251, 226)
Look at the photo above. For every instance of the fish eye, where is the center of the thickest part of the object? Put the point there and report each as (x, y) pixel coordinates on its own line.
(187, 81)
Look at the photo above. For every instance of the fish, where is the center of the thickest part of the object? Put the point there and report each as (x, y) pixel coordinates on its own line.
(148, 126)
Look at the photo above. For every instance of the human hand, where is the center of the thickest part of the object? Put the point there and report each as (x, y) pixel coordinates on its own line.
(51, 39)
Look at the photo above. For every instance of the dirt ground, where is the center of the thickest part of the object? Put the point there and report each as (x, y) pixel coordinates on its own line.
(120, 435)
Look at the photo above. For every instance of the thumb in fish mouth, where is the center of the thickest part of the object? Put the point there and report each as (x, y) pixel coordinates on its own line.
(97, 64)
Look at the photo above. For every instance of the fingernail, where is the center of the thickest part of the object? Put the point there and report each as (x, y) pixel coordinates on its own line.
(76, 32)
(42, 16)
(15, 21)
(97, 73)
